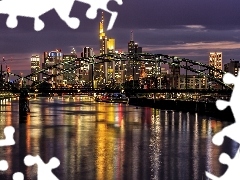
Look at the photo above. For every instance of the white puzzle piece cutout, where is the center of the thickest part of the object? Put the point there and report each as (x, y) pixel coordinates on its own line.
(8, 132)
(36, 8)
(8, 141)
(18, 176)
(232, 131)
(3, 165)
(101, 4)
(44, 170)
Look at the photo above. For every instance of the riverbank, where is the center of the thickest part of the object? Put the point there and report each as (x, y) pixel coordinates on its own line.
(204, 108)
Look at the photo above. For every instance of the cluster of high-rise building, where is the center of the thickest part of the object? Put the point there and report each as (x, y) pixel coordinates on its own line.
(109, 72)
(117, 72)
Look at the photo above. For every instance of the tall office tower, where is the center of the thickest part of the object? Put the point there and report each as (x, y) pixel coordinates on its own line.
(87, 52)
(232, 67)
(131, 44)
(86, 69)
(69, 76)
(102, 37)
(110, 67)
(52, 58)
(174, 74)
(133, 67)
(111, 45)
(35, 67)
(215, 60)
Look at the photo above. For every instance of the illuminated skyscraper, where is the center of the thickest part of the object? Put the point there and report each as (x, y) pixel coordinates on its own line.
(86, 69)
(87, 52)
(50, 59)
(106, 71)
(69, 77)
(103, 37)
(133, 47)
(215, 60)
(35, 67)
(111, 45)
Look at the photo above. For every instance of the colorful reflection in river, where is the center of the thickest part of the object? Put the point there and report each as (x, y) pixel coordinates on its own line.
(112, 141)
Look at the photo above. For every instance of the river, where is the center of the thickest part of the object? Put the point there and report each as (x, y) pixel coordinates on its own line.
(106, 141)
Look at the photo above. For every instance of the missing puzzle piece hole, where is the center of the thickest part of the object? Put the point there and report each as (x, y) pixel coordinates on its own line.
(229, 78)
(38, 24)
(73, 22)
(218, 139)
(29, 160)
(3, 165)
(224, 159)
(12, 22)
(221, 105)
(18, 176)
(91, 13)
(54, 162)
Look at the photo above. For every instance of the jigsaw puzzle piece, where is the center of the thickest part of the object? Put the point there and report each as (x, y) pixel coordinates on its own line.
(101, 4)
(63, 9)
(36, 8)
(3, 165)
(8, 132)
(232, 172)
(221, 104)
(44, 170)
(18, 176)
(231, 131)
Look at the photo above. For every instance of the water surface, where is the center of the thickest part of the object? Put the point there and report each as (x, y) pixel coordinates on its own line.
(112, 141)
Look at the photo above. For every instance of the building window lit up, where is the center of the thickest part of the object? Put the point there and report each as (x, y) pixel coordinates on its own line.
(35, 67)
(215, 60)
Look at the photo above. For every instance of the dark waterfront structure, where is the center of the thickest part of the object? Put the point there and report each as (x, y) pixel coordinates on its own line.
(24, 109)
(112, 141)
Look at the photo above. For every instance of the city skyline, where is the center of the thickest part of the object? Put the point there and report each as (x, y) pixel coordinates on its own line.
(186, 31)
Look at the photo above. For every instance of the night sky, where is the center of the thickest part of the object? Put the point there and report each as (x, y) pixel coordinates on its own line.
(185, 28)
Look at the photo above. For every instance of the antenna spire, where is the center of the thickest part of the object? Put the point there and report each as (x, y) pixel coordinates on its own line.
(102, 18)
(131, 35)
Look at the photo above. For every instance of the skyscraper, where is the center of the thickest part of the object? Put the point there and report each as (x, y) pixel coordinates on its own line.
(106, 72)
(102, 37)
(86, 69)
(69, 77)
(51, 58)
(111, 45)
(87, 52)
(133, 47)
(35, 67)
(215, 60)
(131, 44)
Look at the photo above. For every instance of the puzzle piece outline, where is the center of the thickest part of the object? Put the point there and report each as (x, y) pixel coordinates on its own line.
(46, 169)
(63, 9)
(230, 131)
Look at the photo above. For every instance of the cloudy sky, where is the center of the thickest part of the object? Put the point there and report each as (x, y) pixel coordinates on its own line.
(185, 28)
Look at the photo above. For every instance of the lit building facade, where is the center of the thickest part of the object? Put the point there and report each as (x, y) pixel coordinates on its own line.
(193, 82)
(111, 45)
(105, 72)
(85, 72)
(133, 47)
(102, 37)
(232, 67)
(215, 60)
(51, 58)
(35, 67)
(69, 77)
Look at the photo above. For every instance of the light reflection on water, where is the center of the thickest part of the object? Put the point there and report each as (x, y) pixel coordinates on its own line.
(112, 141)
